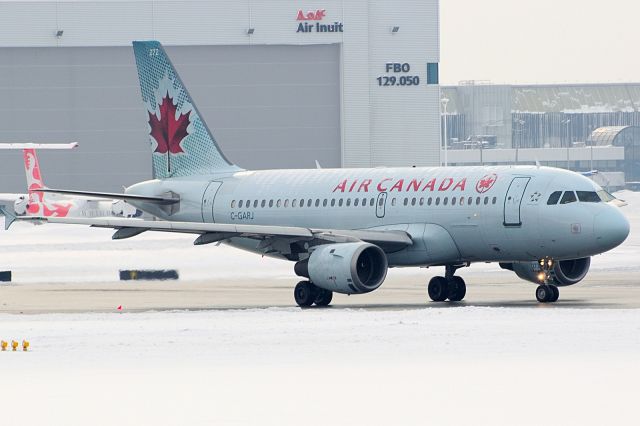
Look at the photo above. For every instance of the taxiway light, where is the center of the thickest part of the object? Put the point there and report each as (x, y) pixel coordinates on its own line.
(3, 345)
(14, 345)
(25, 345)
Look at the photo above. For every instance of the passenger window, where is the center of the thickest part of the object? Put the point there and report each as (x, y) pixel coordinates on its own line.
(381, 202)
(393, 202)
(333, 202)
(470, 200)
(248, 204)
(286, 203)
(494, 200)
(317, 202)
(278, 203)
(437, 201)
(324, 203)
(240, 204)
(421, 201)
(372, 202)
(568, 197)
(309, 201)
(445, 201)
(264, 202)
(294, 203)
(429, 201)
(340, 202)
(255, 204)
(270, 203)
(461, 201)
(302, 202)
(588, 196)
(486, 200)
(477, 201)
(355, 202)
(453, 201)
(348, 202)
(406, 201)
(364, 202)
(553, 198)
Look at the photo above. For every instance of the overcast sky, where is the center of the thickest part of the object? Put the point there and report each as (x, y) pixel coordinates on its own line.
(540, 41)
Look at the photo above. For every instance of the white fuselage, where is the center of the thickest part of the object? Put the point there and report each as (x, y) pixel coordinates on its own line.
(453, 214)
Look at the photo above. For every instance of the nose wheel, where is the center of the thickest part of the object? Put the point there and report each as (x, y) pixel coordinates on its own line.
(546, 293)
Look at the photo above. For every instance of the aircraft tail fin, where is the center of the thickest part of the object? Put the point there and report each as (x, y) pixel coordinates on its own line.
(32, 170)
(180, 140)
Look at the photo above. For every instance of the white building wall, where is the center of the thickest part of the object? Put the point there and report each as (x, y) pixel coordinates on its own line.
(380, 125)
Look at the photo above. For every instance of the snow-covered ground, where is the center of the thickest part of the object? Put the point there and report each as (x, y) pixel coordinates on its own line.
(292, 366)
(462, 365)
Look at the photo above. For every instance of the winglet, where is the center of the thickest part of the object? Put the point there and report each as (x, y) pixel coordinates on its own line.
(318, 166)
(9, 215)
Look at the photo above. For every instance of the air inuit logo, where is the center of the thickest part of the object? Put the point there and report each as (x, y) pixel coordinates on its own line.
(485, 183)
(170, 130)
(309, 22)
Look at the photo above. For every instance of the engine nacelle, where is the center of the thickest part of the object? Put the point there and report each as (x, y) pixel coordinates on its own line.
(348, 268)
(563, 273)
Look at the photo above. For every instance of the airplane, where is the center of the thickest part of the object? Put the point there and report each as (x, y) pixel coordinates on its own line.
(39, 204)
(343, 228)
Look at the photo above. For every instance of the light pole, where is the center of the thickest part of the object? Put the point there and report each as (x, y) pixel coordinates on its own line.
(444, 102)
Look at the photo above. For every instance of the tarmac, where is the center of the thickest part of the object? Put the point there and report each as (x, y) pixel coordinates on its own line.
(600, 290)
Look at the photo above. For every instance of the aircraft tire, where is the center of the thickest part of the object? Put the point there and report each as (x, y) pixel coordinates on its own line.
(305, 294)
(555, 293)
(323, 297)
(544, 293)
(457, 289)
(438, 289)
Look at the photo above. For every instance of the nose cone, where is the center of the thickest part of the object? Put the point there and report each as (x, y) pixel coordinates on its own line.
(611, 228)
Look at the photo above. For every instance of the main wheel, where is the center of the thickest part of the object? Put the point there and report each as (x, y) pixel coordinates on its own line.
(555, 293)
(438, 289)
(457, 289)
(323, 297)
(544, 293)
(305, 293)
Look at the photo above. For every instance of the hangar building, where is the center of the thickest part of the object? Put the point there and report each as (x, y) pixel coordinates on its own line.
(350, 83)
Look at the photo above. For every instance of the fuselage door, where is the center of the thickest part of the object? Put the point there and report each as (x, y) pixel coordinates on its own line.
(207, 201)
(381, 204)
(513, 201)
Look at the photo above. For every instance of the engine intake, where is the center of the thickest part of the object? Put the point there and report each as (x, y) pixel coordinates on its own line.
(349, 268)
(563, 273)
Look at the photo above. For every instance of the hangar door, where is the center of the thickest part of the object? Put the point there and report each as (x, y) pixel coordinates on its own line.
(267, 106)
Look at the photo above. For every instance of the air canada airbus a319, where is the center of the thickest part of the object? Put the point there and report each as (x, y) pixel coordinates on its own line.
(343, 228)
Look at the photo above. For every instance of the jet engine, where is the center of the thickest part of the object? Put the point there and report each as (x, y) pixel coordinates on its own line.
(563, 273)
(21, 205)
(349, 268)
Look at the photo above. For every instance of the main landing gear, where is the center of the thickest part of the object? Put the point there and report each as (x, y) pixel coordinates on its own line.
(307, 294)
(450, 286)
(546, 293)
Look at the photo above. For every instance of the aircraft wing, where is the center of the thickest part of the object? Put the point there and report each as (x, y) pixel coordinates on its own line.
(272, 236)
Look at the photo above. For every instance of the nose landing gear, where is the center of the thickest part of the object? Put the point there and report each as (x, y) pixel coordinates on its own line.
(450, 286)
(546, 293)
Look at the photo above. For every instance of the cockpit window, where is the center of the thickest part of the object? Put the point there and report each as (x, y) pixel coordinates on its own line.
(588, 196)
(605, 196)
(554, 197)
(568, 197)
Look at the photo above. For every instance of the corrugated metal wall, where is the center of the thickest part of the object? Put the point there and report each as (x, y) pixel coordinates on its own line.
(268, 106)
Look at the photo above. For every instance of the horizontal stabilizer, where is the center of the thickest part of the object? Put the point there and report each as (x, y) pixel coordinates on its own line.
(113, 196)
(30, 145)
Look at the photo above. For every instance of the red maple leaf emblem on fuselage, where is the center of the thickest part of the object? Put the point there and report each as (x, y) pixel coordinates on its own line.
(168, 131)
(486, 183)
